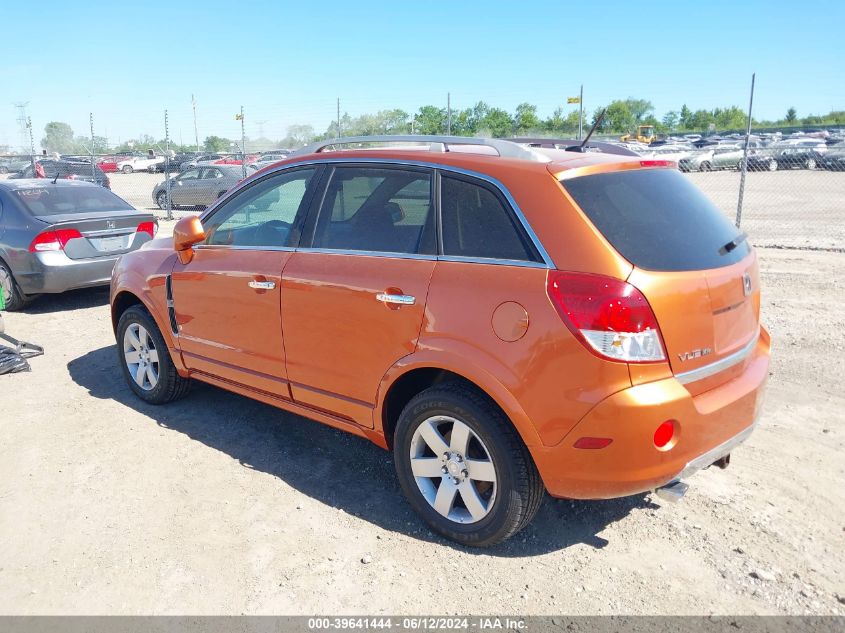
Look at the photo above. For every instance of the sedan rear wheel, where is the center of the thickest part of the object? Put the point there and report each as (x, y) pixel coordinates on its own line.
(810, 163)
(13, 298)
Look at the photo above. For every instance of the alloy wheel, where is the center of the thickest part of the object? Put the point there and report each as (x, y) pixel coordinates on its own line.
(453, 469)
(141, 356)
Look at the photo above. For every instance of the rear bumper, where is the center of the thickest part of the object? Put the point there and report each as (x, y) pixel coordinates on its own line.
(708, 427)
(53, 272)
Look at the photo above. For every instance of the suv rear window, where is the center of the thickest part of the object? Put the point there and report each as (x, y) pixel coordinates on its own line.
(658, 220)
(55, 200)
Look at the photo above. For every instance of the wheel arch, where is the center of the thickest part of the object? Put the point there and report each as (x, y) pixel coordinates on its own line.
(408, 378)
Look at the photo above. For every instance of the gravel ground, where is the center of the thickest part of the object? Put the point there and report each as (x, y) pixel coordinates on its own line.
(218, 504)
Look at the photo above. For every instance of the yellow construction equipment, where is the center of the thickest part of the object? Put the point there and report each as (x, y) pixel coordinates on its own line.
(645, 134)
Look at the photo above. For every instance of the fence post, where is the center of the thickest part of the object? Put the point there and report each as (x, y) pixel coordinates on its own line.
(168, 205)
(31, 145)
(744, 164)
(93, 166)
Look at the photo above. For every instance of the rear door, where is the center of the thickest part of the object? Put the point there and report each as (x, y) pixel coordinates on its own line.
(695, 268)
(227, 298)
(353, 303)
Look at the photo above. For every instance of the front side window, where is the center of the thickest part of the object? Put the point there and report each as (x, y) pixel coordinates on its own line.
(264, 215)
(377, 209)
(191, 174)
(477, 223)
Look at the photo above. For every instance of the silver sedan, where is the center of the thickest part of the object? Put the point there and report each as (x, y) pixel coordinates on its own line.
(199, 186)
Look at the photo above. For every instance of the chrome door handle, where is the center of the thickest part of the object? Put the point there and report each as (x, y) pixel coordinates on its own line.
(262, 285)
(402, 300)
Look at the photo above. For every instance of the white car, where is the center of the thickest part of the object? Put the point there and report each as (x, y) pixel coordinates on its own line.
(138, 163)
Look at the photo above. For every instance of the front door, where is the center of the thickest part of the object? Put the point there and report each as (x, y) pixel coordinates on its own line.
(183, 189)
(227, 298)
(353, 303)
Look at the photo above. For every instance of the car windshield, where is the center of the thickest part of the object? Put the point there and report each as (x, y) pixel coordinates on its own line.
(55, 200)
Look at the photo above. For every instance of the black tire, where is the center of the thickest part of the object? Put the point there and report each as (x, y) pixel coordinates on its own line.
(519, 489)
(161, 200)
(810, 163)
(772, 165)
(127, 169)
(170, 386)
(705, 166)
(14, 298)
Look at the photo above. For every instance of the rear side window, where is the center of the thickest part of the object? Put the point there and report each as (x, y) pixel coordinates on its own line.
(55, 200)
(377, 209)
(658, 220)
(476, 223)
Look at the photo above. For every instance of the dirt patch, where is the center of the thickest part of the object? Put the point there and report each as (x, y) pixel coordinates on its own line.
(218, 504)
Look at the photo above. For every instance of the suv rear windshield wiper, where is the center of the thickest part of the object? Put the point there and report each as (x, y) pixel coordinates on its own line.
(727, 248)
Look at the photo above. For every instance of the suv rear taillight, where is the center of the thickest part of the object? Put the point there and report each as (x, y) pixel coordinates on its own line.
(53, 240)
(611, 317)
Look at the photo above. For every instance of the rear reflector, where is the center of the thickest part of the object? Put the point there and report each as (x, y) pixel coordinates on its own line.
(664, 433)
(53, 240)
(611, 317)
(592, 442)
(146, 227)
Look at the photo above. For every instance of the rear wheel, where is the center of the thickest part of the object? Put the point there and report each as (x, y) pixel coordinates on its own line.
(127, 169)
(464, 468)
(145, 360)
(773, 165)
(14, 299)
(810, 163)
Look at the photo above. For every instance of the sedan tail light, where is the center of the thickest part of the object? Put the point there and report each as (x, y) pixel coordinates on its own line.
(53, 240)
(611, 317)
(146, 227)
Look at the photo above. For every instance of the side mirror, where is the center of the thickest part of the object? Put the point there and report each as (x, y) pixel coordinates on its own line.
(187, 232)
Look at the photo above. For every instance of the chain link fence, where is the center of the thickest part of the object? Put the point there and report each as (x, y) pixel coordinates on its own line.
(794, 192)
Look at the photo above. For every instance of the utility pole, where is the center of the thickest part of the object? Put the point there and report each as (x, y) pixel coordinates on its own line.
(338, 117)
(22, 123)
(448, 114)
(196, 136)
(31, 144)
(581, 113)
(168, 206)
(243, 143)
(93, 166)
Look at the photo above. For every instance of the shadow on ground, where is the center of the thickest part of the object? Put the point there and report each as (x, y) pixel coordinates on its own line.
(333, 467)
(71, 300)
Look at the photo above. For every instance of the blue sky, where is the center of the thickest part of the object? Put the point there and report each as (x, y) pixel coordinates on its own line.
(287, 62)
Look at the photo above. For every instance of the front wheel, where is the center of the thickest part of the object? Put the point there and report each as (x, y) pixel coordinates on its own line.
(145, 360)
(127, 169)
(464, 468)
(810, 164)
(161, 200)
(705, 166)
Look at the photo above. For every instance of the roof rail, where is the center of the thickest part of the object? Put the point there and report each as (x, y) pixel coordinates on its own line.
(506, 149)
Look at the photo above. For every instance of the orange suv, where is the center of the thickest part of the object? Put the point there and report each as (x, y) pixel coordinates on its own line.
(507, 320)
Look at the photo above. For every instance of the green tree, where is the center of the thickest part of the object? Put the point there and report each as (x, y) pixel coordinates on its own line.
(700, 120)
(497, 123)
(58, 137)
(430, 120)
(685, 116)
(791, 115)
(670, 120)
(217, 144)
(526, 119)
